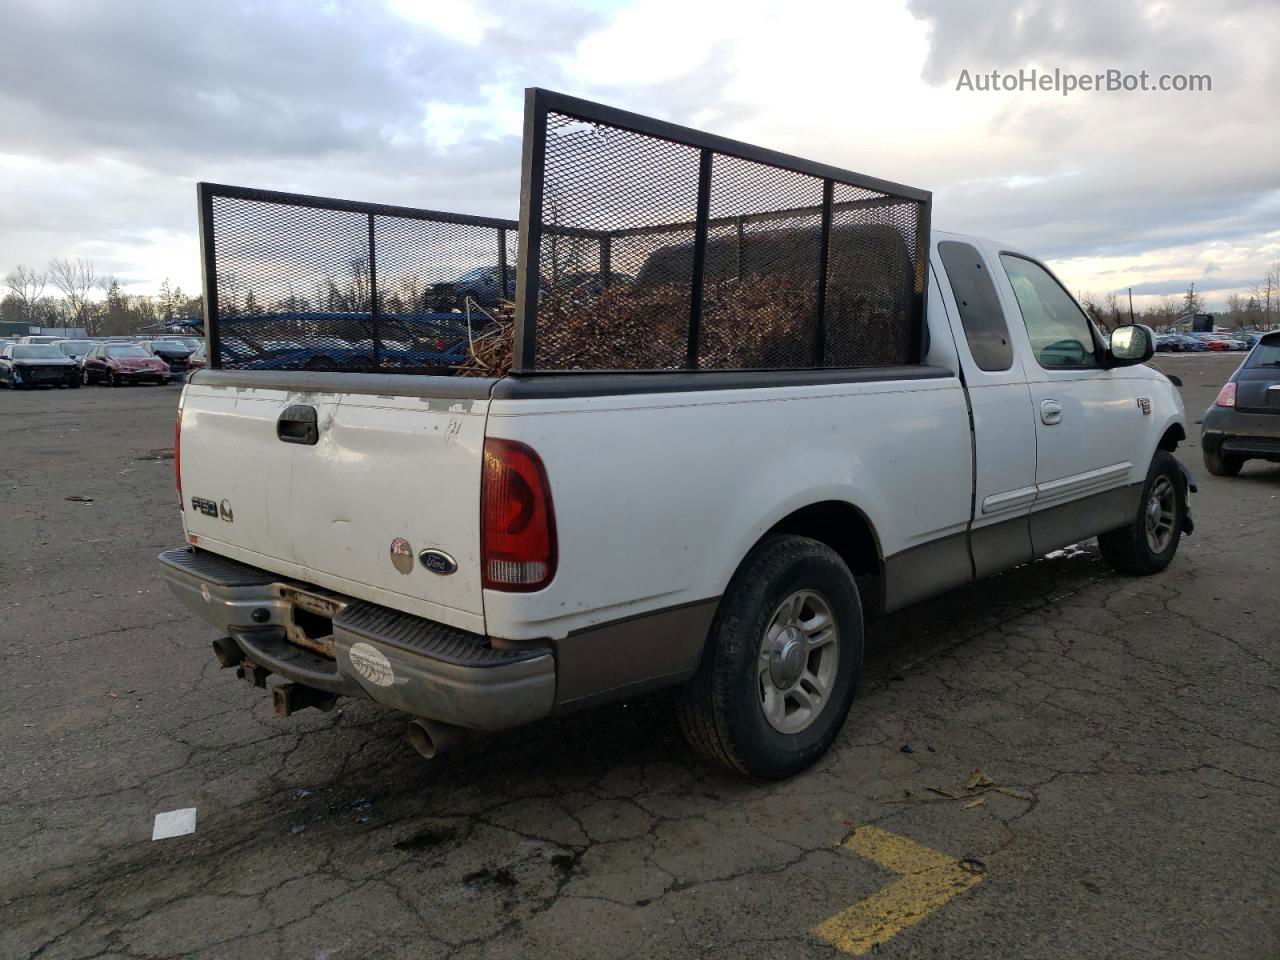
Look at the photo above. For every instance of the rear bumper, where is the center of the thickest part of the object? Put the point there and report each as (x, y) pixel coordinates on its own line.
(1230, 432)
(405, 662)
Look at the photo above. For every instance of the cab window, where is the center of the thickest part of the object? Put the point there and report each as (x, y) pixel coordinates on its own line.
(1059, 331)
(980, 313)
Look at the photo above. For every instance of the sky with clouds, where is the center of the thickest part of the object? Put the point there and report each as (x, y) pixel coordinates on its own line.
(111, 110)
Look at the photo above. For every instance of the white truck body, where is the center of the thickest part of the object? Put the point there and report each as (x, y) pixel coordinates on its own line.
(923, 478)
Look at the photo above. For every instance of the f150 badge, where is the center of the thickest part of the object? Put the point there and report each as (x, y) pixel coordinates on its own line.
(1144, 403)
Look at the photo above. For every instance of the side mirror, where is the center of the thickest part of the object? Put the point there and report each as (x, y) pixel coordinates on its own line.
(1131, 344)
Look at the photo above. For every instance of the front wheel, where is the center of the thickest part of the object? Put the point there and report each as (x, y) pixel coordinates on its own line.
(781, 664)
(1148, 543)
(1222, 465)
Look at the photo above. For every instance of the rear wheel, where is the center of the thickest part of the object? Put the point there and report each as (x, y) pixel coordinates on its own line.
(1222, 465)
(1147, 545)
(782, 661)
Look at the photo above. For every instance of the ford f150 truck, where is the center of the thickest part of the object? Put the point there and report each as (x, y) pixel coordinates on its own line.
(484, 552)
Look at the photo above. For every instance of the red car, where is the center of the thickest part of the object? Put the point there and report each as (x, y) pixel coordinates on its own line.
(1213, 343)
(117, 363)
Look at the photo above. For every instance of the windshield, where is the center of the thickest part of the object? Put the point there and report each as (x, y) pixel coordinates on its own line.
(37, 351)
(1266, 353)
(126, 351)
(169, 346)
(76, 348)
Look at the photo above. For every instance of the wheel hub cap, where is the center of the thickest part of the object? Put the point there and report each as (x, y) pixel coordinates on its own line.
(786, 658)
(798, 659)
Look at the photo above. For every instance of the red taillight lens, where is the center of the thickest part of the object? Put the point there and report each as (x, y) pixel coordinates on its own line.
(517, 522)
(1227, 395)
(439, 344)
(177, 456)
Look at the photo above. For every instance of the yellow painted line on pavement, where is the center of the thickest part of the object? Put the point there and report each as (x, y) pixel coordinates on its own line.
(928, 880)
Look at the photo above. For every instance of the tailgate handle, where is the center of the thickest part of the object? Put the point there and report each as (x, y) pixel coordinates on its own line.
(298, 425)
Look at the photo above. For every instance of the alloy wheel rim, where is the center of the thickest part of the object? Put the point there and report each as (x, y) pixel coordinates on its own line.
(797, 661)
(1161, 514)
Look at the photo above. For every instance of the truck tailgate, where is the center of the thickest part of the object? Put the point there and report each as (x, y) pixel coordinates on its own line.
(387, 477)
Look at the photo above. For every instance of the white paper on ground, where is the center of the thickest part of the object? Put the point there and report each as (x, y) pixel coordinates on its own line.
(174, 823)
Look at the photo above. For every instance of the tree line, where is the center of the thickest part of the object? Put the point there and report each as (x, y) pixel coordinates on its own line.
(71, 293)
(1259, 309)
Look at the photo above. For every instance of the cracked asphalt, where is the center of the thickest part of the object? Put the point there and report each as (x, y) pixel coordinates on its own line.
(1129, 727)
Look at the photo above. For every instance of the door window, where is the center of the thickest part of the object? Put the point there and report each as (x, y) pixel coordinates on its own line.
(980, 313)
(1060, 333)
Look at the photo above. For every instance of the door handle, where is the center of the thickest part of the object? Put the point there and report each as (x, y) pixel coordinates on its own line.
(298, 425)
(1050, 412)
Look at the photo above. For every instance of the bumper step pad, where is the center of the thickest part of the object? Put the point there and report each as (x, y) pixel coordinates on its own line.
(216, 569)
(368, 621)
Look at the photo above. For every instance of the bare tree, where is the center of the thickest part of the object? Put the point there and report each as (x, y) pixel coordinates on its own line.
(26, 286)
(1267, 293)
(75, 278)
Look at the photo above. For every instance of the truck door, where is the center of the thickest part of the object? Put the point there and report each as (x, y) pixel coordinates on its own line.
(1086, 420)
(1003, 428)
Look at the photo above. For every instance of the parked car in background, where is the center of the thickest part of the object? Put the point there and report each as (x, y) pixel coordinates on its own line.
(484, 286)
(199, 358)
(172, 352)
(119, 363)
(76, 349)
(38, 338)
(1244, 421)
(193, 343)
(37, 364)
(1213, 342)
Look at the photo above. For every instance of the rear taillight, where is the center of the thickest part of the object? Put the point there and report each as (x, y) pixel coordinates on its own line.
(1227, 395)
(177, 456)
(517, 522)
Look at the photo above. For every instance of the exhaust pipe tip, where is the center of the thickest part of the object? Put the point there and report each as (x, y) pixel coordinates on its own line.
(431, 738)
(228, 652)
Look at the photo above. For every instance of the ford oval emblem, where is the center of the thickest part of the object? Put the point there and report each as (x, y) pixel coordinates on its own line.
(437, 561)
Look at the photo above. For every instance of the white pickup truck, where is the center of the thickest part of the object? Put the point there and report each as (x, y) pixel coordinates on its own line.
(481, 553)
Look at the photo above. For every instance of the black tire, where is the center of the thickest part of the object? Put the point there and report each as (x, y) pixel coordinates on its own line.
(74, 383)
(1128, 549)
(721, 710)
(1222, 465)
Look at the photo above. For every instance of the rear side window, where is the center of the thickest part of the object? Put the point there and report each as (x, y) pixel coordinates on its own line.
(1266, 353)
(1059, 330)
(980, 313)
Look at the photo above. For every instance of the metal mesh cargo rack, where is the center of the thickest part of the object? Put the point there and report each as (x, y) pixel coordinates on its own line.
(641, 246)
(649, 246)
(296, 282)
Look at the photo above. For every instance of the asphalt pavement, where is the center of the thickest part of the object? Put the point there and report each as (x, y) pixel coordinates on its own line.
(1056, 762)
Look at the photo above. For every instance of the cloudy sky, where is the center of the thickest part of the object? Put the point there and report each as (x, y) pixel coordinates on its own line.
(111, 110)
